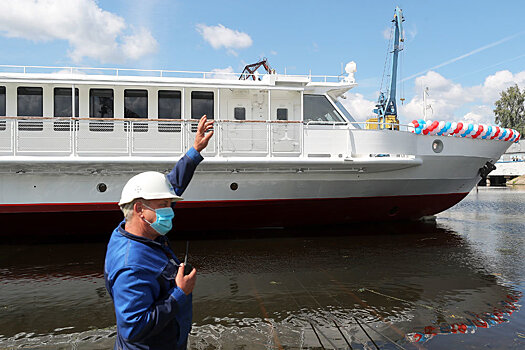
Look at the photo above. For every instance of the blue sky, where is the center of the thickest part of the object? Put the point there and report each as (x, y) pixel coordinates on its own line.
(483, 40)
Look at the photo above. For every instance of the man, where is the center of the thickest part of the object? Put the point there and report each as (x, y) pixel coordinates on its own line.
(151, 295)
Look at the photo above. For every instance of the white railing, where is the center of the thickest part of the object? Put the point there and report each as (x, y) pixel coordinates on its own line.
(85, 137)
(151, 72)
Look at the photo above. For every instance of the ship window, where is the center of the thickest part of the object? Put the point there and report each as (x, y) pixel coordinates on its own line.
(239, 113)
(30, 102)
(317, 108)
(201, 104)
(101, 103)
(136, 106)
(169, 104)
(2, 100)
(62, 102)
(169, 108)
(101, 106)
(282, 113)
(347, 114)
(3, 123)
(136, 103)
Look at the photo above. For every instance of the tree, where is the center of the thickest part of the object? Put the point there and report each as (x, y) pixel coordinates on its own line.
(510, 109)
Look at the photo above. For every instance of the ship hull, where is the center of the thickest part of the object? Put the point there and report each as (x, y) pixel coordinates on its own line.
(80, 193)
(100, 218)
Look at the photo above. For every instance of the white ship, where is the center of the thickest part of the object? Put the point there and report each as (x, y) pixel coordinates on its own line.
(285, 151)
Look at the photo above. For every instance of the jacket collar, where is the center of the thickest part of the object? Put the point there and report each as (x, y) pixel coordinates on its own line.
(158, 242)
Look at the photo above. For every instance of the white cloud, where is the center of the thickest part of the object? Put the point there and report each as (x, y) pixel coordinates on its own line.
(90, 31)
(449, 101)
(481, 114)
(225, 73)
(358, 106)
(221, 37)
(499, 81)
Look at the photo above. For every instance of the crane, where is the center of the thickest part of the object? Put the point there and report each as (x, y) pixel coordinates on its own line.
(386, 105)
(250, 69)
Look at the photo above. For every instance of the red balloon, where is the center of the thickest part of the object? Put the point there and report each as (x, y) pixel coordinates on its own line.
(498, 130)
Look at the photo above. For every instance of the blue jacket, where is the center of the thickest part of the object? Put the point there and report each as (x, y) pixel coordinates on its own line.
(151, 311)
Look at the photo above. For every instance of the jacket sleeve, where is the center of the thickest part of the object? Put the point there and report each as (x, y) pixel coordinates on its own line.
(181, 174)
(138, 315)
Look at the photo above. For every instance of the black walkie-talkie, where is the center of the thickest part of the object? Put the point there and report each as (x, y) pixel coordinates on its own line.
(187, 266)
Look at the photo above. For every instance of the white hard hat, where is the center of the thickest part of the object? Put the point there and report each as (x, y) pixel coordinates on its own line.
(148, 185)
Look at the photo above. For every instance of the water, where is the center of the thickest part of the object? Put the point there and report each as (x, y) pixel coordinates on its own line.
(277, 289)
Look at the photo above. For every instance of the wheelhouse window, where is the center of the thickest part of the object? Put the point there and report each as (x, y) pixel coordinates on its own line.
(62, 102)
(347, 114)
(136, 104)
(30, 102)
(239, 113)
(101, 103)
(169, 104)
(201, 104)
(317, 108)
(282, 113)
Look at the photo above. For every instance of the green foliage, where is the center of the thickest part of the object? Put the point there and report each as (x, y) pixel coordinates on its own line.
(510, 109)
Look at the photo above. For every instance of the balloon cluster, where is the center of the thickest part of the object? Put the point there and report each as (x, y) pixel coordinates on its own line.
(491, 132)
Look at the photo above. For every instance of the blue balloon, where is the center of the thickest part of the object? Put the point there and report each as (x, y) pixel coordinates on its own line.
(418, 130)
(489, 130)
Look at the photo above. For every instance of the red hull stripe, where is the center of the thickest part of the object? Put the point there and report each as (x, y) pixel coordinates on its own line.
(225, 215)
(94, 207)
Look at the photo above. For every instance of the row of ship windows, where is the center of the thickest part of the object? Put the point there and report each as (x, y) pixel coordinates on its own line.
(101, 104)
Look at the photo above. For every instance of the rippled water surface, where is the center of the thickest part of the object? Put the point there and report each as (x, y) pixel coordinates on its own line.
(454, 283)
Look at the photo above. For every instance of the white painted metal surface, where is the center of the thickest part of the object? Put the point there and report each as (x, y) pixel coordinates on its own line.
(47, 160)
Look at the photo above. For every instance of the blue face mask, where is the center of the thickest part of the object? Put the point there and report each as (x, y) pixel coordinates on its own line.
(163, 220)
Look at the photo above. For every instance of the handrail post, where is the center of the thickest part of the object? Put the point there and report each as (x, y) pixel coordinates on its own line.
(74, 136)
(301, 133)
(218, 136)
(269, 137)
(130, 136)
(15, 136)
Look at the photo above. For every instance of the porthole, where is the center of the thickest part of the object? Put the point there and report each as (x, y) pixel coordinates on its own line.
(234, 186)
(437, 146)
(101, 187)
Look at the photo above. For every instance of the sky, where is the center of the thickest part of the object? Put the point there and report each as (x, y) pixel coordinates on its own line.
(465, 52)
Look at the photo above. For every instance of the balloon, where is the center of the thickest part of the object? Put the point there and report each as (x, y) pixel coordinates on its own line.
(498, 130)
(489, 131)
(510, 135)
(469, 129)
(453, 127)
(478, 132)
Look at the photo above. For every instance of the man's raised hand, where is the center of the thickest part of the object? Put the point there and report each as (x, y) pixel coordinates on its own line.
(202, 138)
